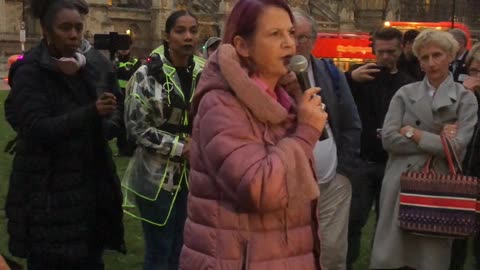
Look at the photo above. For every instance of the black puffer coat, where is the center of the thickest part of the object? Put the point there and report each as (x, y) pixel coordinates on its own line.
(471, 162)
(64, 195)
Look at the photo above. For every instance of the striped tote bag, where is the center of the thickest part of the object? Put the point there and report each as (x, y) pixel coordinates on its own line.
(437, 204)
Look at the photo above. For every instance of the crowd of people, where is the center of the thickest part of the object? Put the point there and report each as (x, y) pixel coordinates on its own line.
(232, 164)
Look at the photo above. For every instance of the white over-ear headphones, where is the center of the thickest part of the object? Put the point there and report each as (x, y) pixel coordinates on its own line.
(71, 65)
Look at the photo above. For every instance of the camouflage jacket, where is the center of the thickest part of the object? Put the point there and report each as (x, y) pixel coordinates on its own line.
(156, 114)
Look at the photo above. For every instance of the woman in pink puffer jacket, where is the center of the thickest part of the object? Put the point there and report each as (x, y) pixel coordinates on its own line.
(252, 189)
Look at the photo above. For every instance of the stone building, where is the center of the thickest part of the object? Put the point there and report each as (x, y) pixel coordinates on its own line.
(146, 18)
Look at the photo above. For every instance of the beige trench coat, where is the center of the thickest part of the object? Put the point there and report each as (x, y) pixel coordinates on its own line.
(412, 105)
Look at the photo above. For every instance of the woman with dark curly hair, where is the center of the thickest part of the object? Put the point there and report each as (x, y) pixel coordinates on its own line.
(64, 201)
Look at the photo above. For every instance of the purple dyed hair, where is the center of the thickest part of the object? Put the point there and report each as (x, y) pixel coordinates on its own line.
(244, 16)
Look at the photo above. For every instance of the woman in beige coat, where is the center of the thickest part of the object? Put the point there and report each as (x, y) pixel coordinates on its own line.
(418, 114)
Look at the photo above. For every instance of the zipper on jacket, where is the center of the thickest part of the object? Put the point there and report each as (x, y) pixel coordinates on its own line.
(246, 257)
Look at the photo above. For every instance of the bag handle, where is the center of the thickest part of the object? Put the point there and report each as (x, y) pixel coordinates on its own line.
(427, 168)
(454, 156)
(451, 156)
(453, 162)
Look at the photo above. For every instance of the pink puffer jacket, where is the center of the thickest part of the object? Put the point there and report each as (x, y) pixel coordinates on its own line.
(252, 188)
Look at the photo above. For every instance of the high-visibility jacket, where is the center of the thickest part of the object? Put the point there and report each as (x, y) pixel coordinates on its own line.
(125, 71)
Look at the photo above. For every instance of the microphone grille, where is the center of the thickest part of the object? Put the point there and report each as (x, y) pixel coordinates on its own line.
(298, 63)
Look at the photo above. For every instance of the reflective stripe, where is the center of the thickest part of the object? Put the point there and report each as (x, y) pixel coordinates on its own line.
(169, 209)
(122, 83)
(143, 102)
(128, 64)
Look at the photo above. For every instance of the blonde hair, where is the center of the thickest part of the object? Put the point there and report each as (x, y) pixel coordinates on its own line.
(473, 55)
(442, 39)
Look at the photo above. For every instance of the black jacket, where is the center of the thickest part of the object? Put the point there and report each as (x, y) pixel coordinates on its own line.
(373, 99)
(411, 67)
(471, 162)
(342, 115)
(460, 69)
(64, 195)
(106, 81)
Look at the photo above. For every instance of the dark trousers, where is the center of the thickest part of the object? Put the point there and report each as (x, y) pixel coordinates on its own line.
(366, 186)
(459, 253)
(93, 262)
(125, 146)
(163, 243)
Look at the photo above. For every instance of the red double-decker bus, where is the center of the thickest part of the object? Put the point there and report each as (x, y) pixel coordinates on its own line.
(346, 49)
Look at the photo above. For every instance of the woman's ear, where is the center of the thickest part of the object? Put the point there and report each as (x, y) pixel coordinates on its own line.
(167, 37)
(241, 46)
(45, 35)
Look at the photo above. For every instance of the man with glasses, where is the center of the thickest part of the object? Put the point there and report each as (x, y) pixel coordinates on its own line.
(458, 67)
(472, 81)
(373, 86)
(336, 157)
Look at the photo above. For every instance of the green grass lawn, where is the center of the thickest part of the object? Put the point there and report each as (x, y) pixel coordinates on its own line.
(133, 234)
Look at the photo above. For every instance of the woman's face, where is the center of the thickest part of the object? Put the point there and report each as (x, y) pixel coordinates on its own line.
(183, 37)
(66, 33)
(435, 62)
(273, 43)
(474, 69)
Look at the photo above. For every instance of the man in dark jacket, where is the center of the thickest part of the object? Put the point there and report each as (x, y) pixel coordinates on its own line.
(373, 86)
(335, 156)
(408, 62)
(458, 66)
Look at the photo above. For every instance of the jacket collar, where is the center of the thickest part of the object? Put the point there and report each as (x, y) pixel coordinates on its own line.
(44, 59)
(445, 95)
(224, 71)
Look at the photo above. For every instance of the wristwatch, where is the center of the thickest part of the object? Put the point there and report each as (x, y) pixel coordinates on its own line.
(410, 133)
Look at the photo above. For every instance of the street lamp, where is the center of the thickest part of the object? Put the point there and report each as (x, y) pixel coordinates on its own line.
(23, 36)
(453, 14)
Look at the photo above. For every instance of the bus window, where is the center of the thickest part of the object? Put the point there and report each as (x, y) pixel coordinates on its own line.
(345, 49)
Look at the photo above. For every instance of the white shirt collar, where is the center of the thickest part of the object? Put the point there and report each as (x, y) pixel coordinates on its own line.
(430, 89)
(461, 56)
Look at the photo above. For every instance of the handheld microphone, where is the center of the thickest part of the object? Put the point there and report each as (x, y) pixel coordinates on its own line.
(299, 65)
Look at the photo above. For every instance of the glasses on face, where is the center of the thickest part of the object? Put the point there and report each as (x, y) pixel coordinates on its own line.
(474, 73)
(303, 39)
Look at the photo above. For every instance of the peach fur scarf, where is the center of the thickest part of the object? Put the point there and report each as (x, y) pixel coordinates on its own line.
(301, 183)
